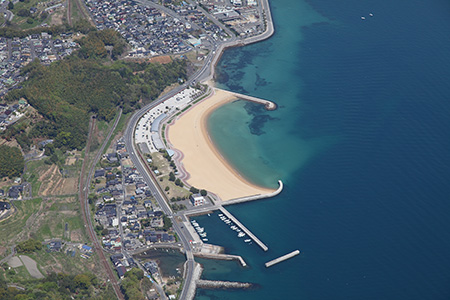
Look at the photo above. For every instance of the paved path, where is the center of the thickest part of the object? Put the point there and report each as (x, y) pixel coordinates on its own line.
(7, 258)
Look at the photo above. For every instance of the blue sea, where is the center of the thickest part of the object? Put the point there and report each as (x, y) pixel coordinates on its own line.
(361, 139)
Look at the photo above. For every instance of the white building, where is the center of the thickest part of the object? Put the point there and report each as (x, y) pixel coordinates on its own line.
(197, 199)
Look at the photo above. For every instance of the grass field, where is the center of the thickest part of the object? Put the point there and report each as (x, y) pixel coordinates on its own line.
(75, 12)
(119, 128)
(59, 212)
(17, 275)
(174, 190)
(32, 175)
(164, 168)
(19, 224)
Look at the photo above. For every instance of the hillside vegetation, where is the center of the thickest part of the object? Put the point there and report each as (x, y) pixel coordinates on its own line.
(58, 286)
(87, 82)
(11, 162)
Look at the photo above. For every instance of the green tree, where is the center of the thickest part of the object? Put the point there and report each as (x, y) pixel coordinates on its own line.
(66, 92)
(11, 162)
(23, 12)
(203, 193)
(82, 281)
(179, 182)
(171, 176)
(28, 246)
(167, 223)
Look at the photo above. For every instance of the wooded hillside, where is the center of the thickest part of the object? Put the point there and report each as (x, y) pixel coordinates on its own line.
(68, 91)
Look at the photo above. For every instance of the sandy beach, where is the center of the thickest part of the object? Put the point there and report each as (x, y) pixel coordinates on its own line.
(206, 167)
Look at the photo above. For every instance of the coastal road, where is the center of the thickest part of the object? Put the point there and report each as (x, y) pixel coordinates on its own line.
(147, 175)
(205, 73)
(212, 19)
(169, 12)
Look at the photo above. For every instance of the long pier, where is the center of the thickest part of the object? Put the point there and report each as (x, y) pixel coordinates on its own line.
(282, 258)
(243, 228)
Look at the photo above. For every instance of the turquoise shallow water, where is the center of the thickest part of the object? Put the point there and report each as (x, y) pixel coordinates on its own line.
(263, 145)
(361, 142)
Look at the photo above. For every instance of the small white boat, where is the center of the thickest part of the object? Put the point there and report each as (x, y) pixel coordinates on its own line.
(220, 215)
(247, 240)
(227, 221)
(205, 240)
(371, 14)
(234, 227)
(200, 229)
(363, 18)
(203, 234)
(241, 234)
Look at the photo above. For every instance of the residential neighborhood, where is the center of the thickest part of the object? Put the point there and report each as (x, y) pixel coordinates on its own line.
(17, 52)
(149, 31)
(9, 114)
(125, 210)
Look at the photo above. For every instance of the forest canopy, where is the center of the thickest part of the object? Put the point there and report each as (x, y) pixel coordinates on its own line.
(11, 162)
(68, 91)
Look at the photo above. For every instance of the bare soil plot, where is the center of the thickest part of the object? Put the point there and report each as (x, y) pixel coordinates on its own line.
(31, 266)
(70, 161)
(57, 17)
(161, 59)
(53, 183)
(15, 262)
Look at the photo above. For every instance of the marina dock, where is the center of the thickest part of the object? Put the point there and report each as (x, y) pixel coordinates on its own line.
(282, 258)
(243, 228)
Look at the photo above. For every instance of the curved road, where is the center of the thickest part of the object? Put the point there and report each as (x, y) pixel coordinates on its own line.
(205, 73)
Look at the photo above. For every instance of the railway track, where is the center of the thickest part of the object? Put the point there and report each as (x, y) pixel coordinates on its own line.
(82, 193)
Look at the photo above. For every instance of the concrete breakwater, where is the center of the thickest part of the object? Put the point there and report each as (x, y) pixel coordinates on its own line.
(255, 197)
(282, 258)
(269, 105)
(214, 284)
(222, 257)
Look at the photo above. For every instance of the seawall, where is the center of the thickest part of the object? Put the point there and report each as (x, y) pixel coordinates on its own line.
(255, 197)
(215, 284)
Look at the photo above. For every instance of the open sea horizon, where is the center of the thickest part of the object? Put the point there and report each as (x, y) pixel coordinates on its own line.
(361, 141)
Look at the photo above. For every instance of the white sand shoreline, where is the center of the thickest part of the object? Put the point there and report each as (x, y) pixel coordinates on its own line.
(206, 166)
